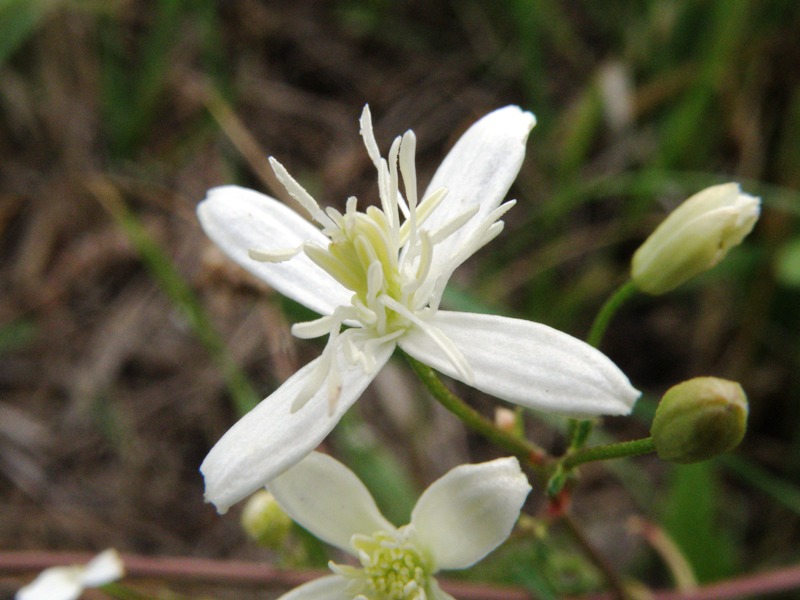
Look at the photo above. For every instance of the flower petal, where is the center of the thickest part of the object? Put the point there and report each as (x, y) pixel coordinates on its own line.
(527, 363)
(479, 170)
(57, 583)
(271, 438)
(330, 587)
(470, 511)
(437, 593)
(103, 568)
(329, 500)
(238, 220)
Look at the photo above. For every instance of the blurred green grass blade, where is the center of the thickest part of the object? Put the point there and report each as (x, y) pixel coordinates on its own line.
(171, 282)
(18, 21)
(131, 95)
(577, 132)
(691, 517)
(778, 489)
(17, 335)
(725, 27)
(385, 477)
(135, 80)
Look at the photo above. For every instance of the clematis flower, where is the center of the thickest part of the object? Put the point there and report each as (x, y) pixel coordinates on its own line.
(457, 521)
(67, 583)
(381, 273)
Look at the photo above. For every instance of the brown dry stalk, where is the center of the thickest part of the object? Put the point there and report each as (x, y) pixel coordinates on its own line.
(262, 574)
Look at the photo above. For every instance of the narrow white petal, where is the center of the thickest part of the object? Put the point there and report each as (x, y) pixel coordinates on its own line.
(470, 511)
(479, 170)
(103, 568)
(239, 220)
(329, 500)
(330, 587)
(271, 438)
(57, 583)
(527, 363)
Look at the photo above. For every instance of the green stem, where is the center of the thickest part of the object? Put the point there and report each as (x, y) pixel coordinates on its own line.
(525, 450)
(608, 310)
(580, 430)
(608, 451)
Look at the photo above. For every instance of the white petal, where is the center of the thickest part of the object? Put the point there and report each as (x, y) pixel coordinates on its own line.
(470, 511)
(528, 363)
(103, 568)
(58, 583)
(270, 438)
(437, 593)
(331, 587)
(239, 220)
(479, 170)
(329, 500)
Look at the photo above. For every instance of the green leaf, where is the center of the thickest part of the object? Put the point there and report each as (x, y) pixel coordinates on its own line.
(692, 518)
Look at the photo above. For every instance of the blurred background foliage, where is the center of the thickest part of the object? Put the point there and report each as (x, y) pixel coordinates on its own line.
(128, 344)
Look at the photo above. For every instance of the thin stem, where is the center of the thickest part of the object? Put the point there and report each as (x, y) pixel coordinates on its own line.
(522, 448)
(581, 429)
(608, 451)
(608, 310)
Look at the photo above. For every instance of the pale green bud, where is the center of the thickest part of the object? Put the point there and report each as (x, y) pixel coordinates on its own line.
(694, 237)
(264, 520)
(698, 419)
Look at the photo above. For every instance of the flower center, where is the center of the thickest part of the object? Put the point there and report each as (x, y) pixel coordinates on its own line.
(364, 256)
(385, 257)
(392, 568)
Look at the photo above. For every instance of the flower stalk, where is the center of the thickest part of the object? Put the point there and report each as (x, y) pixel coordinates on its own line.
(534, 456)
(608, 452)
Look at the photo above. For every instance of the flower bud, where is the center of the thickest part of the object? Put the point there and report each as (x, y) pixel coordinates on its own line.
(694, 237)
(264, 520)
(698, 419)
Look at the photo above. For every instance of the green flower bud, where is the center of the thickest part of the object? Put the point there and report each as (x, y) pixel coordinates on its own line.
(698, 419)
(264, 520)
(694, 237)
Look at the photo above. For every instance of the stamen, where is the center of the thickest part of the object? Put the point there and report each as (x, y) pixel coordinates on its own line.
(453, 354)
(408, 149)
(368, 135)
(454, 224)
(317, 328)
(274, 256)
(375, 281)
(341, 271)
(335, 215)
(429, 203)
(299, 193)
(334, 384)
(424, 210)
(424, 264)
(396, 197)
(313, 383)
(500, 210)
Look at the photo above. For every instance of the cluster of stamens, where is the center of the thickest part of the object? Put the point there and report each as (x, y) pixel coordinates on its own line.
(391, 568)
(385, 263)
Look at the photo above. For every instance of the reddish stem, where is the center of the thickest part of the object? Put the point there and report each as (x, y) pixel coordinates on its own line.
(250, 573)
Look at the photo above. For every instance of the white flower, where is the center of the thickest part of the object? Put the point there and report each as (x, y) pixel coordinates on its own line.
(382, 272)
(67, 583)
(457, 521)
